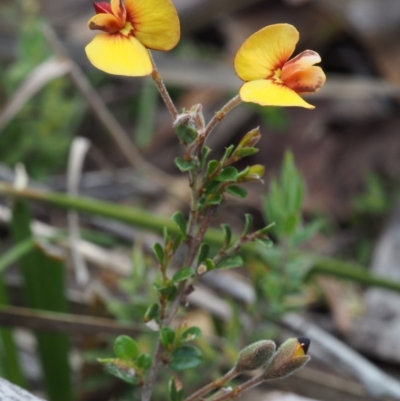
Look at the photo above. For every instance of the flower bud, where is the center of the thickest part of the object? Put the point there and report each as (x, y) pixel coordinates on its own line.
(291, 356)
(250, 139)
(252, 173)
(255, 355)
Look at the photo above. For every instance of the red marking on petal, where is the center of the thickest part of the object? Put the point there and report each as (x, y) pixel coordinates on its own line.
(102, 8)
(306, 81)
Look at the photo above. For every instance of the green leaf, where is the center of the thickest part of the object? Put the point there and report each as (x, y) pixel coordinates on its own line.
(152, 312)
(204, 156)
(230, 262)
(44, 288)
(177, 241)
(266, 229)
(180, 221)
(303, 235)
(203, 252)
(211, 167)
(244, 152)
(159, 252)
(192, 333)
(237, 191)
(249, 222)
(125, 348)
(290, 223)
(144, 361)
(168, 292)
(167, 336)
(227, 174)
(166, 235)
(185, 357)
(228, 152)
(213, 199)
(173, 393)
(242, 174)
(182, 274)
(227, 235)
(184, 165)
(186, 134)
(210, 264)
(121, 369)
(265, 242)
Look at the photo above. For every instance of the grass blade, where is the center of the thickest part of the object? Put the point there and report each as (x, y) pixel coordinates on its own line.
(44, 288)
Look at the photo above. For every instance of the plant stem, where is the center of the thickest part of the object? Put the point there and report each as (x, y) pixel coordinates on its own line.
(221, 114)
(213, 385)
(255, 381)
(163, 90)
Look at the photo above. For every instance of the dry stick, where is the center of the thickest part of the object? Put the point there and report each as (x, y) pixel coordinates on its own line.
(15, 316)
(121, 138)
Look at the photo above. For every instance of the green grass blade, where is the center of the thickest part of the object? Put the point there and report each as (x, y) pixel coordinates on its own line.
(11, 368)
(44, 288)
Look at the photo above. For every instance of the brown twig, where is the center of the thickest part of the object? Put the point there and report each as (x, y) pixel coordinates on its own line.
(221, 114)
(61, 322)
(163, 90)
(216, 384)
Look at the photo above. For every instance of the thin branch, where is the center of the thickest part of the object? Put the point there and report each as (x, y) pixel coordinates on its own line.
(216, 384)
(163, 90)
(221, 114)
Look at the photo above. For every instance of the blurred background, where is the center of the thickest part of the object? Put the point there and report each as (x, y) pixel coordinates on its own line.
(78, 130)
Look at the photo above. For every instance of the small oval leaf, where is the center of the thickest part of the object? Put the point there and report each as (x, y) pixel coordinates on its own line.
(185, 357)
(167, 336)
(191, 334)
(230, 262)
(182, 274)
(125, 348)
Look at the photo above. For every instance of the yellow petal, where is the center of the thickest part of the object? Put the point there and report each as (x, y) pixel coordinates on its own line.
(104, 22)
(302, 61)
(265, 51)
(119, 54)
(306, 81)
(268, 93)
(118, 10)
(155, 23)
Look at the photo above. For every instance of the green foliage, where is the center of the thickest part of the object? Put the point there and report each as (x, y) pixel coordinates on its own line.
(125, 347)
(41, 134)
(230, 262)
(185, 357)
(182, 274)
(283, 203)
(173, 392)
(374, 200)
(44, 288)
(184, 165)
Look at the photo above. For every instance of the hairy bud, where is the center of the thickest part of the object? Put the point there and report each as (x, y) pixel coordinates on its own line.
(291, 356)
(255, 355)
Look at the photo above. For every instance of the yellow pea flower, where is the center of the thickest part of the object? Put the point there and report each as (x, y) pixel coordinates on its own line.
(271, 79)
(131, 28)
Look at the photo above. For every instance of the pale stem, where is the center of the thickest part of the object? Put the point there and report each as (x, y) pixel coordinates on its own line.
(221, 114)
(213, 385)
(229, 395)
(163, 90)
